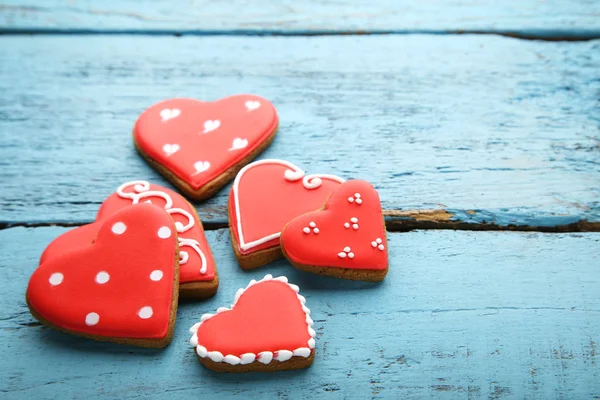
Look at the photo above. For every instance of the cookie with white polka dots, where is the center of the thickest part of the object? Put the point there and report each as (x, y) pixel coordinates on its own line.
(345, 239)
(121, 288)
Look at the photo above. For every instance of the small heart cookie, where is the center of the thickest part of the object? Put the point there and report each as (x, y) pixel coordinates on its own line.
(345, 239)
(200, 146)
(120, 288)
(265, 196)
(268, 328)
(197, 269)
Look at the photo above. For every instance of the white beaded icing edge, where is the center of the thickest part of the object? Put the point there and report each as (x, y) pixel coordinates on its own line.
(293, 174)
(264, 357)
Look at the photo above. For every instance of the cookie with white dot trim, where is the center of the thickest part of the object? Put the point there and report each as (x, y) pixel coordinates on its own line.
(121, 288)
(198, 276)
(345, 239)
(200, 146)
(268, 328)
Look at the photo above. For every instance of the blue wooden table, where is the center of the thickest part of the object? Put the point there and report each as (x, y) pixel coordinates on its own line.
(484, 146)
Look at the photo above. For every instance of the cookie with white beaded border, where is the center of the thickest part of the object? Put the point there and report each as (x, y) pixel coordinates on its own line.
(345, 239)
(122, 288)
(267, 328)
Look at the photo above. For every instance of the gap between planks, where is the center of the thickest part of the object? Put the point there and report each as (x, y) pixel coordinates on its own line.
(401, 221)
(551, 35)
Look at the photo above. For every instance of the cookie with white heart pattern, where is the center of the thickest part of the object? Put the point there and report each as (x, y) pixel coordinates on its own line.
(121, 288)
(200, 146)
(345, 239)
(268, 328)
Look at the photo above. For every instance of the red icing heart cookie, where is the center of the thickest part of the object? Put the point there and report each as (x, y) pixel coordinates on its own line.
(200, 146)
(267, 328)
(265, 196)
(121, 288)
(346, 239)
(197, 269)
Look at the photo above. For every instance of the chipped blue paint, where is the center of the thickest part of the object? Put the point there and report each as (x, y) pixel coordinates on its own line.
(552, 19)
(460, 314)
(449, 126)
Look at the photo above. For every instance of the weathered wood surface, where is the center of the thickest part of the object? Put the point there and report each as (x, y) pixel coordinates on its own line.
(493, 130)
(550, 19)
(461, 314)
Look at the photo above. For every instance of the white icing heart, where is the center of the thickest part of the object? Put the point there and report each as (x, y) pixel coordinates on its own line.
(201, 166)
(211, 125)
(252, 105)
(168, 114)
(170, 149)
(238, 144)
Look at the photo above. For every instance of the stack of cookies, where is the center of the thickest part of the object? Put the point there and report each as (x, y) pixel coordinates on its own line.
(119, 278)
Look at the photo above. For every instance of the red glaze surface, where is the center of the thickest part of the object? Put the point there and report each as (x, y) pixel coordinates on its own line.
(324, 247)
(268, 201)
(84, 235)
(129, 258)
(204, 139)
(267, 317)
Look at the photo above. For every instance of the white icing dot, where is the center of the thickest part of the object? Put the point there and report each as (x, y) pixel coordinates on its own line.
(302, 352)
(354, 219)
(145, 312)
(265, 357)
(312, 224)
(316, 230)
(347, 249)
(102, 277)
(347, 225)
(381, 247)
(341, 254)
(156, 275)
(350, 255)
(231, 359)
(358, 201)
(354, 226)
(201, 351)
(119, 228)
(374, 244)
(357, 195)
(379, 240)
(351, 199)
(92, 319)
(56, 278)
(311, 343)
(306, 230)
(247, 358)
(284, 355)
(216, 356)
(164, 232)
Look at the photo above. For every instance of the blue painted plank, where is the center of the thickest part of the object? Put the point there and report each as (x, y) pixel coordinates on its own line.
(477, 314)
(532, 18)
(440, 123)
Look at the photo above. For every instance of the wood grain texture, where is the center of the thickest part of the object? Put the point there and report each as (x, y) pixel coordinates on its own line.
(551, 19)
(493, 130)
(460, 314)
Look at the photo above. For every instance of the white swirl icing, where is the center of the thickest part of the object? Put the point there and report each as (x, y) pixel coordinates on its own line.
(141, 190)
(264, 357)
(292, 174)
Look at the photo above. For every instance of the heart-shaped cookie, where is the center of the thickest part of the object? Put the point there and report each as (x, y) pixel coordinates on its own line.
(267, 328)
(346, 239)
(200, 146)
(265, 196)
(198, 273)
(120, 288)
